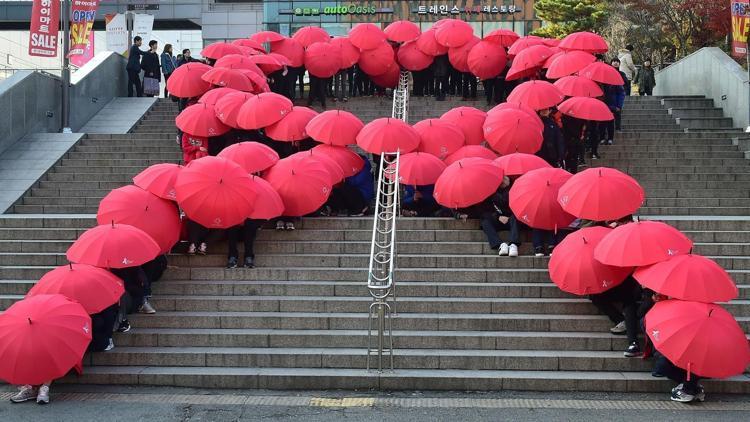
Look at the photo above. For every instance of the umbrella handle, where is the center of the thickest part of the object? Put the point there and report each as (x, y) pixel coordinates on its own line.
(688, 371)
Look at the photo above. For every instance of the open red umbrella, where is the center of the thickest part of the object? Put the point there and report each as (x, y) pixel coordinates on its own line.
(453, 33)
(574, 270)
(186, 81)
(268, 203)
(335, 172)
(263, 110)
(247, 51)
(533, 199)
(228, 107)
(518, 163)
(201, 120)
(376, 61)
(140, 208)
(458, 56)
(402, 31)
(419, 169)
(701, 338)
(601, 194)
(42, 338)
(247, 42)
(366, 36)
(551, 42)
(470, 151)
(467, 182)
(215, 192)
(470, 120)
(266, 36)
(259, 83)
(439, 137)
(349, 54)
(585, 41)
(642, 243)
(308, 35)
(536, 95)
(291, 49)
(429, 45)
(486, 59)
(228, 77)
(94, 288)
(410, 57)
(688, 277)
(269, 63)
(253, 157)
(387, 135)
(304, 185)
(113, 246)
(513, 130)
(569, 63)
(528, 59)
(350, 162)
(602, 73)
(524, 43)
(551, 59)
(159, 179)
(322, 59)
(586, 108)
(218, 50)
(335, 127)
(533, 114)
(214, 95)
(292, 126)
(502, 37)
(238, 62)
(578, 86)
(389, 78)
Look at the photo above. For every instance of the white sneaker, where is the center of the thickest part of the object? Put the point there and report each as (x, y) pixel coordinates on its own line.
(43, 396)
(513, 250)
(618, 329)
(503, 249)
(110, 346)
(146, 308)
(25, 393)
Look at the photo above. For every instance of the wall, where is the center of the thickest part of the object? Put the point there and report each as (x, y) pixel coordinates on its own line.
(94, 85)
(228, 21)
(710, 72)
(25, 99)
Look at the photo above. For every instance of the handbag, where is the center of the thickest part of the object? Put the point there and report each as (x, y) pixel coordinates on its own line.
(150, 86)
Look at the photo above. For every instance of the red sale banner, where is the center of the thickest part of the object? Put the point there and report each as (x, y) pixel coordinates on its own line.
(45, 21)
(88, 54)
(82, 15)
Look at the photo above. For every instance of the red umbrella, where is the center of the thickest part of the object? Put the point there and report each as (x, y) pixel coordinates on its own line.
(533, 199)
(518, 163)
(159, 179)
(390, 78)
(335, 172)
(218, 50)
(247, 51)
(523, 43)
(688, 277)
(322, 59)
(304, 185)
(513, 130)
(586, 108)
(402, 31)
(502, 37)
(266, 36)
(529, 59)
(292, 126)
(94, 288)
(512, 106)
(263, 110)
(228, 77)
(601, 194)
(269, 63)
(376, 61)
(537, 95)
(642, 243)
(268, 203)
(453, 33)
(470, 151)
(578, 86)
(228, 107)
(603, 73)
(253, 157)
(470, 120)
(350, 162)
(186, 82)
(348, 52)
(703, 339)
(551, 59)
(410, 57)
(201, 120)
(569, 63)
(43, 337)
(113, 246)
(458, 56)
(419, 169)
(238, 62)
(247, 42)
(335, 127)
(387, 135)
(429, 45)
(213, 96)
(467, 182)
(308, 35)
(259, 83)
(585, 41)
(551, 42)
(366, 36)
(215, 192)
(439, 137)
(574, 270)
(142, 209)
(291, 49)
(486, 59)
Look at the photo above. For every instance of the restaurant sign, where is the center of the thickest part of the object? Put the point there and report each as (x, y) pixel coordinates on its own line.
(350, 9)
(445, 9)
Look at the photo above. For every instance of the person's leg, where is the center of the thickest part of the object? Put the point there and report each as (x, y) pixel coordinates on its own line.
(196, 233)
(233, 235)
(628, 86)
(323, 96)
(610, 128)
(607, 307)
(249, 233)
(139, 84)
(594, 139)
(631, 322)
(515, 231)
(131, 82)
(487, 223)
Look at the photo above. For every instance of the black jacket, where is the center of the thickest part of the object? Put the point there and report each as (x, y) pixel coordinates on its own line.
(440, 66)
(134, 59)
(553, 147)
(498, 204)
(150, 65)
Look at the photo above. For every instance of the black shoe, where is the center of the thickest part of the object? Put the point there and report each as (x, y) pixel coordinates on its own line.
(124, 326)
(539, 251)
(594, 156)
(232, 262)
(249, 262)
(633, 351)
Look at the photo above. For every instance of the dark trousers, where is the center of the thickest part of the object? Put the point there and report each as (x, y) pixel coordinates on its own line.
(594, 136)
(317, 90)
(540, 238)
(102, 326)
(346, 198)
(418, 88)
(494, 90)
(628, 86)
(166, 91)
(456, 79)
(197, 234)
(572, 151)
(646, 91)
(352, 83)
(468, 85)
(665, 367)
(134, 80)
(301, 81)
(441, 87)
(626, 294)
(490, 226)
(247, 232)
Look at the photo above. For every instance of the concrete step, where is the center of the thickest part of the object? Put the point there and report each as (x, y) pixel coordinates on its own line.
(705, 122)
(696, 112)
(707, 211)
(124, 157)
(687, 102)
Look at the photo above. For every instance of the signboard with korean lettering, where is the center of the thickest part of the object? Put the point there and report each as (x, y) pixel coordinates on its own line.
(82, 15)
(45, 22)
(740, 27)
(455, 9)
(117, 33)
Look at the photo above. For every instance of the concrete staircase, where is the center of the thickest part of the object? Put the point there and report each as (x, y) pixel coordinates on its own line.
(467, 319)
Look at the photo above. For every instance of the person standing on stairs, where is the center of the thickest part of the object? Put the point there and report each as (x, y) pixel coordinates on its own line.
(248, 231)
(614, 97)
(134, 67)
(646, 79)
(627, 67)
(151, 70)
(168, 65)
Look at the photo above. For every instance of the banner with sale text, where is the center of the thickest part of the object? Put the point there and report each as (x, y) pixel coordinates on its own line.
(740, 27)
(45, 22)
(82, 15)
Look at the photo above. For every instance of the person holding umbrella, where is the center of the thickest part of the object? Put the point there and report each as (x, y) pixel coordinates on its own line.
(553, 152)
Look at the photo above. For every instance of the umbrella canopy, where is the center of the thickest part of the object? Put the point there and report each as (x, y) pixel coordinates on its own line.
(266, 36)
(410, 57)
(574, 270)
(533, 199)
(260, 84)
(502, 37)
(439, 137)
(642, 243)
(253, 157)
(366, 36)
(213, 96)
(113, 246)
(43, 337)
(388, 79)
(140, 208)
(586, 108)
(350, 162)
(308, 35)
(387, 135)
(247, 42)
(419, 169)
(376, 61)
(334, 170)
(159, 179)
(578, 86)
(218, 50)
(518, 163)
(263, 110)
(429, 45)
(585, 41)
(335, 127)
(304, 185)
(453, 33)
(94, 288)
(513, 130)
(536, 95)
(601, 194)
(467, 182)
(238, 62)
(701, 338)
(528, 59)
(323, 59)
(689, 277)
(215, 192)
(291, 49)
(470, 120)
(228, 77)
(487, 59)
(602, 73)
(551, 59)
(349, 54)
(458, 56)
(402, 31)
(524, 43)
(186, 81)
(568, 63)
(268, 203)
(292, 126)
(228, 107)
(269, 63)
(201, 120)
(470, 151)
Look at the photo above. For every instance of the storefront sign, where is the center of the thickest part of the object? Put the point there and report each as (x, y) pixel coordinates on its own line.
(740, 27)
(82, 15)
(45, 21)
(350, 9)
(143, 24)
(141, 5)
(117, 33)
(445, 9)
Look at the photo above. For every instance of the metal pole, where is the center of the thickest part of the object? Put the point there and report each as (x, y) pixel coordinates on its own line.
(747, 54)
(129, 24)
(66, 68)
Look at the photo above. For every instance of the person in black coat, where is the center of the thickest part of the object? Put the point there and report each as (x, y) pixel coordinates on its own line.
(441, 70)
(573, 132)
(553, 146)
(150, 64)
(134, 68)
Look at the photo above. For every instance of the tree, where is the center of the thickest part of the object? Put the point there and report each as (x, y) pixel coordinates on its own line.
(562, 17)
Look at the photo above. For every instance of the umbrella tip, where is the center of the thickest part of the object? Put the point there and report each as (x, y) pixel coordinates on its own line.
(710, 311)
(600, 172)
(70, 264)
(29, 320)
(113, 224)
(585, 242)
(460, 164)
